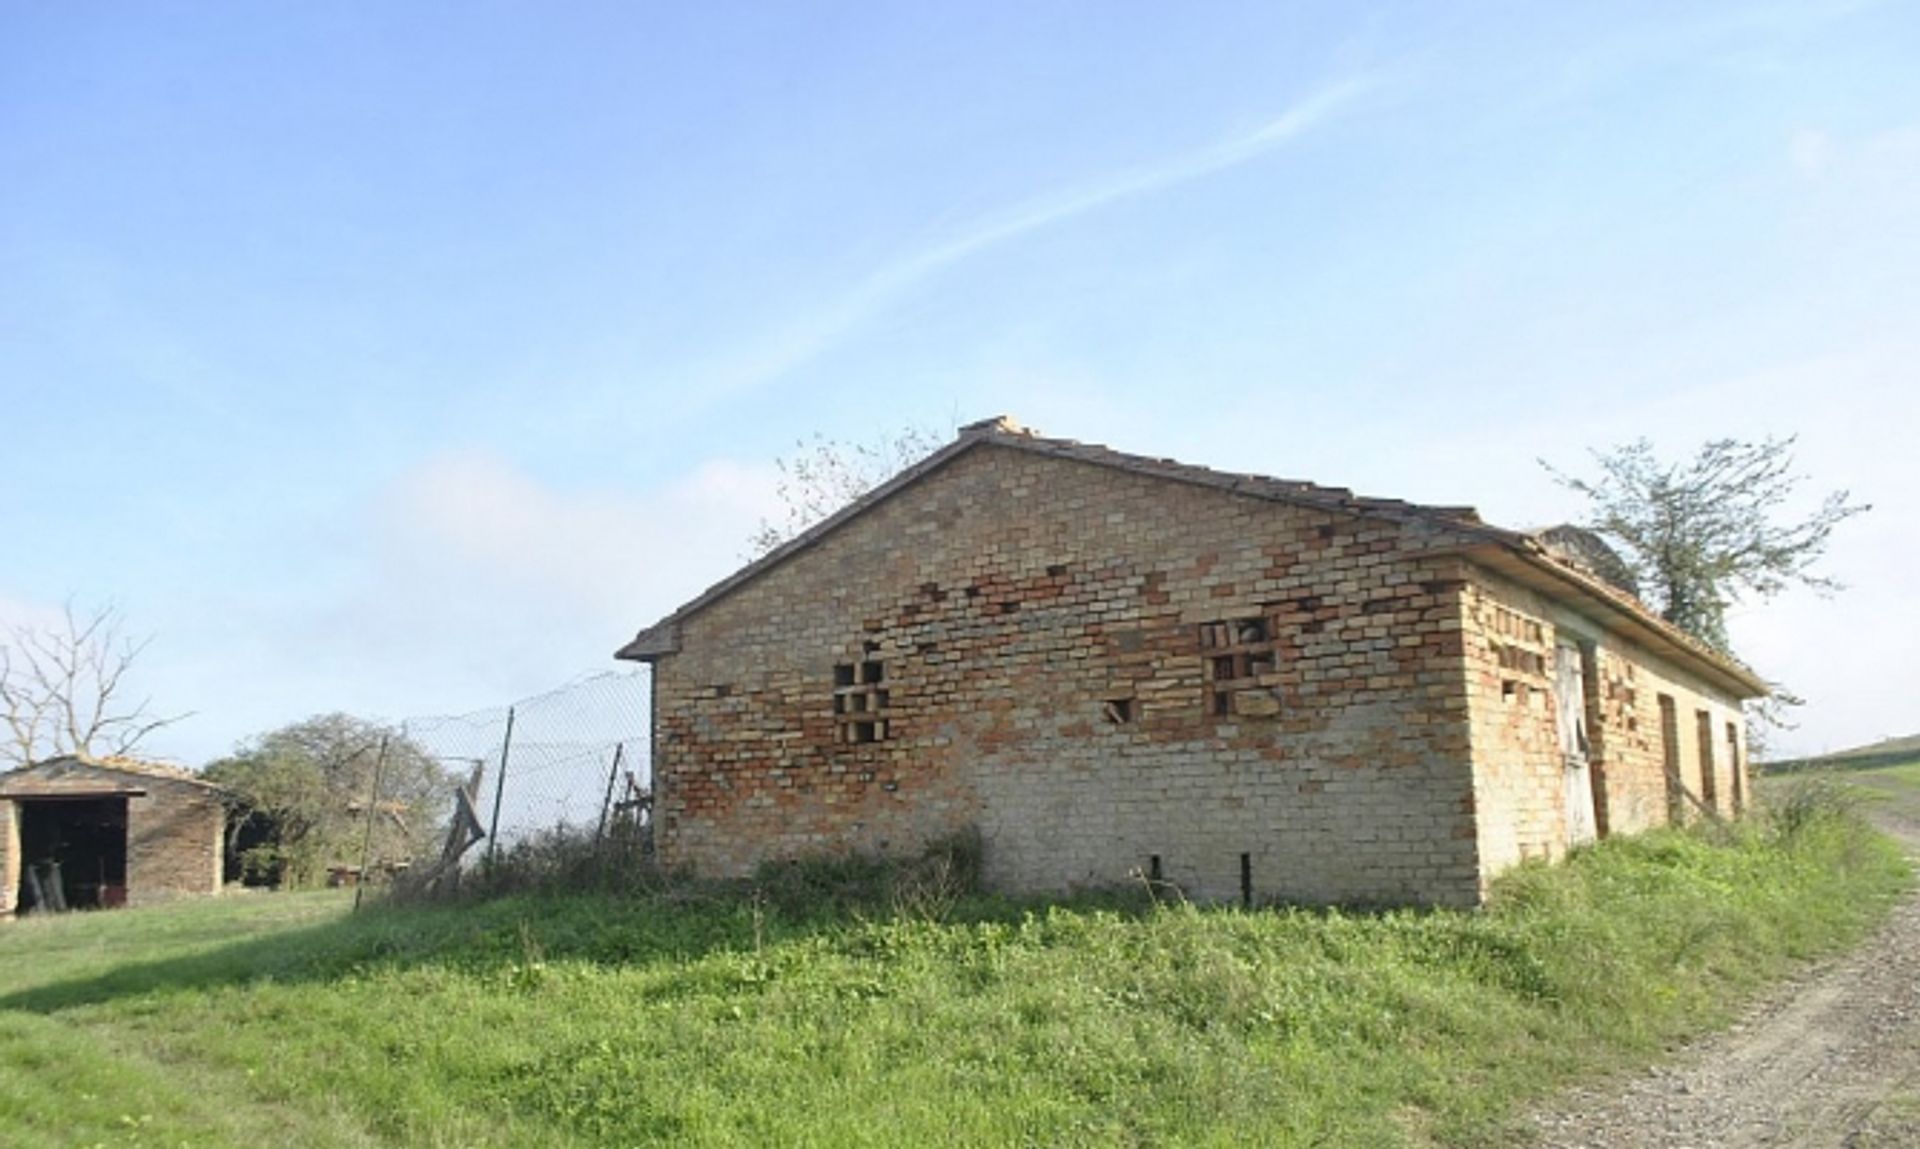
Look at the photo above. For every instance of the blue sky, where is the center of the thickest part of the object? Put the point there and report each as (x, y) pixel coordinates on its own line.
(406, 358)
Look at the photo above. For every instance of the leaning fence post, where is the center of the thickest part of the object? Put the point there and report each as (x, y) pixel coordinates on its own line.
(373, 811)
(606, 804)
(499, 792)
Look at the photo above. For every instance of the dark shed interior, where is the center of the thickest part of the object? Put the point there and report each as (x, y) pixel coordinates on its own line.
(73, 853)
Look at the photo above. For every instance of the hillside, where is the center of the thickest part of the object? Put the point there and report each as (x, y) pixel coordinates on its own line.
(1886, 752)
(792, 1017)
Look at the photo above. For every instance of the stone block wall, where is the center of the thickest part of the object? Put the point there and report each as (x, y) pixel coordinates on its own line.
(1107, 673)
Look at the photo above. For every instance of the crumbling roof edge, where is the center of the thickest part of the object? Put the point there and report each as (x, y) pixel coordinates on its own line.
(126, 768)
(1729, 671)
(663, 637)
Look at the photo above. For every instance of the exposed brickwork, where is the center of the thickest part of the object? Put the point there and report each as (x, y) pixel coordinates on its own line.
(1519, 784)
(1519, 769)
(173, 843)
(9, 856)
(1112, 665)
(174, 826)
(1009, 598)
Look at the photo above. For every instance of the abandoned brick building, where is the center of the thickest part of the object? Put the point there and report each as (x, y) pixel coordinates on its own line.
(1110, 664)
(84, 833)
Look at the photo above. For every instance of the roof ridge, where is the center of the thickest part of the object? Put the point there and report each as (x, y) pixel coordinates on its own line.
(1006, 431)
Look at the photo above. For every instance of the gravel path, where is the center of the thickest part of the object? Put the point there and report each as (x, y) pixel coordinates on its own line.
(1832, 1058)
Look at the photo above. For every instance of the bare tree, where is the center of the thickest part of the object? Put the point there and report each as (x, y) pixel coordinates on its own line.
(823, 475)
(63, 689)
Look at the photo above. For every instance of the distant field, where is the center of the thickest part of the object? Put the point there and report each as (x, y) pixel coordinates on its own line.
(1873, 756)
(596, 1021)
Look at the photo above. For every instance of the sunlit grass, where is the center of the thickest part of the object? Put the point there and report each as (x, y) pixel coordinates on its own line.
(678, 1020)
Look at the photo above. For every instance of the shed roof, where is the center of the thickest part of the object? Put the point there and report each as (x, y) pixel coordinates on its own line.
(68, 775)
(1514, 553)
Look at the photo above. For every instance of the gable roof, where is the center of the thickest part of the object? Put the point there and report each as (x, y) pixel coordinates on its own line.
(67, 765)
(1516, 554)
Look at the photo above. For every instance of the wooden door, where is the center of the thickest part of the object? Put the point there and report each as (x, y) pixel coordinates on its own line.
(1570, 697)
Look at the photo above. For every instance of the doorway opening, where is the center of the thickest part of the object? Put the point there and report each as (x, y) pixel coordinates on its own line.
(73, 853)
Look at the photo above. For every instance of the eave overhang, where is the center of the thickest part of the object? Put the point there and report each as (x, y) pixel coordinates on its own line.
(1617, 611)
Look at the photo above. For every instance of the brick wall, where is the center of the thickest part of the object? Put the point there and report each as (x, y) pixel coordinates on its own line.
(1520, 772)
(1038, 626)
(1519, 775)
(1637, 791)
(174, 842)
(9, 856)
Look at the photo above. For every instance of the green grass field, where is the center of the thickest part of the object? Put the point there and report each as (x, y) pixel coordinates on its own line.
(685, 1020)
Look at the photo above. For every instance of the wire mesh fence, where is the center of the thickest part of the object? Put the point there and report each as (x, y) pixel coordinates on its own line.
(573, 760)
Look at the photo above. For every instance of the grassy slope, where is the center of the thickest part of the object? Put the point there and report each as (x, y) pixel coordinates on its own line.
(593, 1021)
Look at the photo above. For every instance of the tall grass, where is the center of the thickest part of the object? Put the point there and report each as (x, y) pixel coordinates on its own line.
(849, 1006)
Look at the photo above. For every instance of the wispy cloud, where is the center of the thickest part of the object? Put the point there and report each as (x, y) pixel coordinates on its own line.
(821, 330)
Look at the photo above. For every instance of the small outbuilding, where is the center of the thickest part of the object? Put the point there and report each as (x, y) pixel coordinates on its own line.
(80, 833)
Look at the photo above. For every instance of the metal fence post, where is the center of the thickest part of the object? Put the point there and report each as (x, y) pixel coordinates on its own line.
(373, 811)
(606, 804)
(499, 791)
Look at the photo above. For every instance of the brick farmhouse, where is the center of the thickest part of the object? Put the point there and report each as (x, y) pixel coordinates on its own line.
(1110, 665)
(111, 832)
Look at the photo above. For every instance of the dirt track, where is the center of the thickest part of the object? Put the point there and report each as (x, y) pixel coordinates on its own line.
(1830, 1059)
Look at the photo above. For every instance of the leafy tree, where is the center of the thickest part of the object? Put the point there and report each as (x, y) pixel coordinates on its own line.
(824, 475)
(63, 689)
(306, 794)
(1703, 533)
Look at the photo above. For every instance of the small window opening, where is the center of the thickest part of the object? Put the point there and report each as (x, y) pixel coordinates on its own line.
(1117, 711)
(1240, 653)
(1153, 869)
(861, 706)
(1246, 881)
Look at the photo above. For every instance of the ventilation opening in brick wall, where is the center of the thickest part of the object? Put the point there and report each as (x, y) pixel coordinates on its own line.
(861, 702)
(1513, 625)
(1518, 658)
(1117, 711)
(1238, 653)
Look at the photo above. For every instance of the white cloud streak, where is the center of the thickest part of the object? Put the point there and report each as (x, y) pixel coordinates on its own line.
(820, 331)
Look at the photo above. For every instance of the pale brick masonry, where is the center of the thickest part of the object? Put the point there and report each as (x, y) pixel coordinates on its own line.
(1110, 666)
